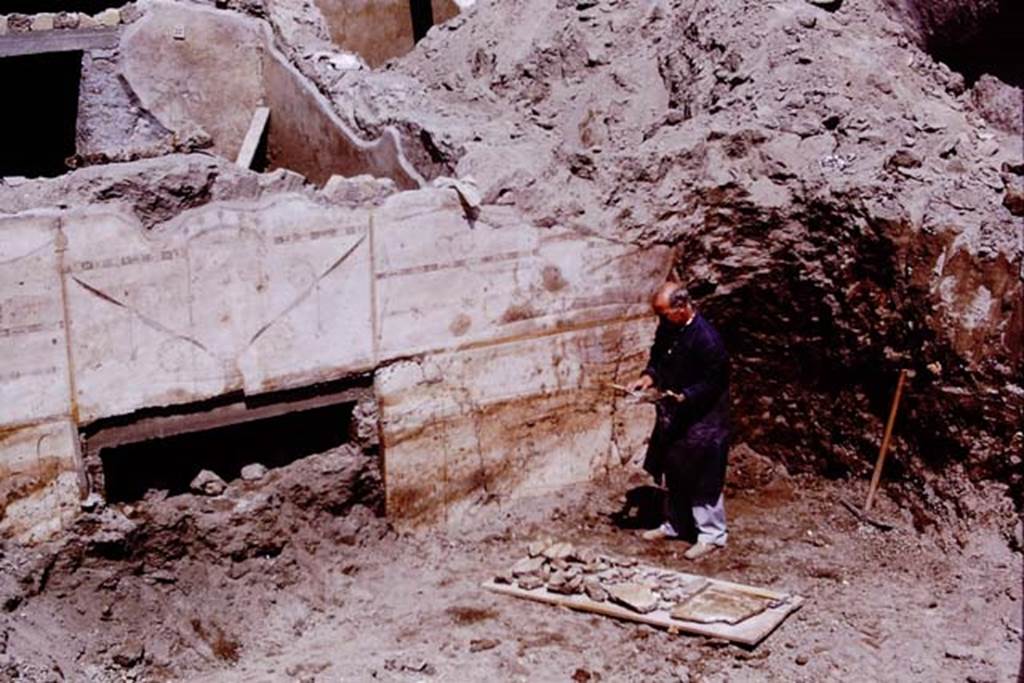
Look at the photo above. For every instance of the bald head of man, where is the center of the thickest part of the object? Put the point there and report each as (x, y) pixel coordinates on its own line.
(672, 303)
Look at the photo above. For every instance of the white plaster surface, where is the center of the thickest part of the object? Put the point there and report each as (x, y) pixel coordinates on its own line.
(33, 347)
(495, 338)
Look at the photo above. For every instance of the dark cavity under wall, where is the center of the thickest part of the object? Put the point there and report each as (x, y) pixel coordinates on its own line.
(170, 463)
(39, 114)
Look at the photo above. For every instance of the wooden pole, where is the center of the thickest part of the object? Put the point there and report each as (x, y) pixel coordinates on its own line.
(877, 476)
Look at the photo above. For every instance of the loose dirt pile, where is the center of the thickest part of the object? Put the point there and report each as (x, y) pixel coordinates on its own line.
(291, 579)
(173, 585)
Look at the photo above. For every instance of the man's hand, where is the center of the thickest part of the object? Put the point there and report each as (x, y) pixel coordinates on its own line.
(642, 384)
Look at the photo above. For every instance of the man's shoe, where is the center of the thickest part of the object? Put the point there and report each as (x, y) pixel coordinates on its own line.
(699, 550)
(664, 532)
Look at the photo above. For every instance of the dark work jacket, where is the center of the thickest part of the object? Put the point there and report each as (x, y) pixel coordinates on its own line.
(691, 438)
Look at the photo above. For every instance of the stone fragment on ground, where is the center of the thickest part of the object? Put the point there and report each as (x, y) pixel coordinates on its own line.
(537, 547)
(530, 582)
(129, 654)
(207, 483)
(528, 566)
(559, 551)
(482, 644)
(254, 472)
(565, 582)
(635, 596)
(594, 589)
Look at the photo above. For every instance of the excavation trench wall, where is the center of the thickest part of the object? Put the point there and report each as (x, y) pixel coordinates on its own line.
(489, 340)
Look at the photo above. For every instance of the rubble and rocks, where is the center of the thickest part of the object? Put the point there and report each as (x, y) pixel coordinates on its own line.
(563, 569)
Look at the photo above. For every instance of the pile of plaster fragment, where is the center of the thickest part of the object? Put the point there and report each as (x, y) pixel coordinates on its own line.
(562, 568)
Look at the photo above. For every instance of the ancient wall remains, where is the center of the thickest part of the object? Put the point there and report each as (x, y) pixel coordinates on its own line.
(378, 30)
(490, 338)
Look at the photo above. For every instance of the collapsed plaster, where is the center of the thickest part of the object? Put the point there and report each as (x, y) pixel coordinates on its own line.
(474, 329)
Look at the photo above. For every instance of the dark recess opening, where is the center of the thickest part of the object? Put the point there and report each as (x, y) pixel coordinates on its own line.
(422, 18)
(982, 41)
(40, 113)
(35, 6)
(171, 463)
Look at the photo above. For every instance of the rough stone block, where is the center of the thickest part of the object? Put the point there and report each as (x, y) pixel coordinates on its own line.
(42, 21)
(66, 20)
(109, 17)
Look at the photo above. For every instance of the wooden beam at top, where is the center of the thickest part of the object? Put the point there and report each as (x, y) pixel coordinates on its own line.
(58, 40)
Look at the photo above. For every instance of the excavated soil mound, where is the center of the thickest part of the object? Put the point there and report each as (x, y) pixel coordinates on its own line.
(172, 585)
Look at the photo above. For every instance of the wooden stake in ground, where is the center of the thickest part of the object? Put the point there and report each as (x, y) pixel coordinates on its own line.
(877, 476)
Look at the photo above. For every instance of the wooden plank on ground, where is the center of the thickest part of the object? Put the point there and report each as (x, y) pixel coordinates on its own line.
(251, 142)
(750, 631)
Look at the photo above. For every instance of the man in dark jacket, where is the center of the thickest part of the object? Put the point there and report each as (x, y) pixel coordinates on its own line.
(690, 442)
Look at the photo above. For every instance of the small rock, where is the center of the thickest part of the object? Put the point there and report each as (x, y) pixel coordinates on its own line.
(565, 583)
(981, 678)
(581, 676)
(42, 21)
(1014, 199)
(530, 582)
(802, 660)
(66, 20)
(807, 20)
(504, 578)
(19, 23)
(537, 548)
(902, 159)
(559, 551)
(635, 596)
(131, 13)
(92, 502)
(253, 472)
(208, 484)
(85, 21)
(129, 654)
(483, 644)
(958, 652)
(594, 590)
(109, 17)
(528, 566)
